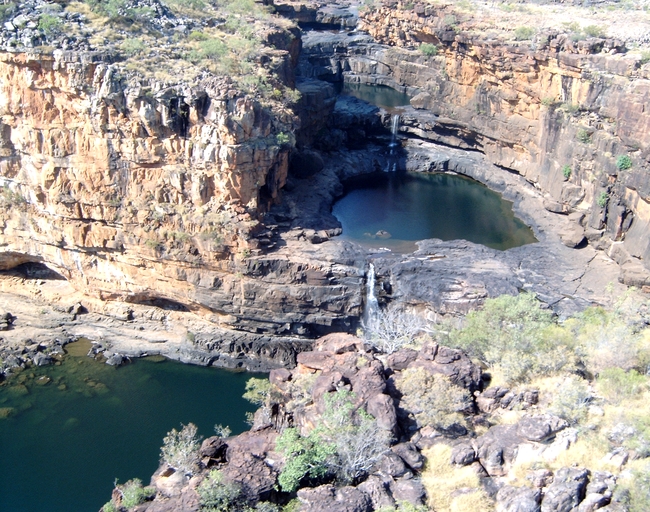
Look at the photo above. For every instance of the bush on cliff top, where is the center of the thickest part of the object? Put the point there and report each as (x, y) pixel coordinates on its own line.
(346, 444)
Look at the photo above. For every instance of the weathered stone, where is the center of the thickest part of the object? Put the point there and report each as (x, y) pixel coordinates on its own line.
(540, 428)
(566, 491)
(410, 454)
(327, 498)
(463, 454)
(518, 499)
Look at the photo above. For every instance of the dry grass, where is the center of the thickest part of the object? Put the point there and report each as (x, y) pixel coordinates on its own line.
(450, 488)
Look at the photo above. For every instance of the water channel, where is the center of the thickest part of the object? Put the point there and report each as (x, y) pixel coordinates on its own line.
(394, 210)
(65, 438)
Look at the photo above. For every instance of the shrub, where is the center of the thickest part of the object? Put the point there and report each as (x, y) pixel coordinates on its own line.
(616, 384)
(257, 391)
(449, 21)
(428, 49)
(392, 328)
(133, 493)
(216, 494)
(524, 33)
(572, 399)
(516, 335)
(180, 449)
(602, 199)
(432, 399)
(638, 490)
(282, 138)
(610, 340)
(133, 46)
(623, 162)
(222, 431)
(548, 101)
(346, 443)
(594, 31)
(583, 136)
(49, 24)
(566, 171)
(109, 507)
(306, 457)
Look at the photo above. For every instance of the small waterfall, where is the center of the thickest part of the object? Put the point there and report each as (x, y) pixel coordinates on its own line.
(392, 147)
(372, 305)
(394, 128)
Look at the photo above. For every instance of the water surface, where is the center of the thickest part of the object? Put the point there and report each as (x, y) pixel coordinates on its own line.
(394, 210)
(68, 440)
(380, 95)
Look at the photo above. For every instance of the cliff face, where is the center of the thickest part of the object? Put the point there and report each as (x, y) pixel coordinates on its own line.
(531, 108)
(137, 192)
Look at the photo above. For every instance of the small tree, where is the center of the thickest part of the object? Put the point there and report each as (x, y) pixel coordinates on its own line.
(432, 399)
(392, 328)
(216, 494)
(180, 449)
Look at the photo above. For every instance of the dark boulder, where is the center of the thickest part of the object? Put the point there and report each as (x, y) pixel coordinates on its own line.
(328, 498)
(566, 491)
(518, 499)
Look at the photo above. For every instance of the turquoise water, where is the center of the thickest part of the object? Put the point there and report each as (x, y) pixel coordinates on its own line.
(394, 210)
(380, 95)
(64, 443)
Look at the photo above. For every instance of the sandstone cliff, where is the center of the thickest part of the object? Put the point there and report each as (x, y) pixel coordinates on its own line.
(557, 111)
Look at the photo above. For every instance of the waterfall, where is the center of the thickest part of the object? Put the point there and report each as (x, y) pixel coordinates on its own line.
(392, 147)
(372, 305)
(393, 129)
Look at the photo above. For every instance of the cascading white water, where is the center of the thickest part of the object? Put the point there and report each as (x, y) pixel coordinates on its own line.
(392, 147)
(372, 305)
(394, 128)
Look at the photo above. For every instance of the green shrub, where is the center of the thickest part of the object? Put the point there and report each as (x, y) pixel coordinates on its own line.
(602, 199)
(583, 136)
(566, 171)
(449, 21)
(257, 391)
(428, 49)
(610, 340)
(49, 24)
(432, 399)
(197, 35)
(306, 457)
(594, 31)
(133, 493)
(109, 507)
(222, 431)
(516, 335)
(282, 138)
(524, 33)
(616, 384)
(216, 494)
(180, 449)
(548, 101)
(346, 443)
(623, 162)
(638, 490)
(571, 401)
(132, 46)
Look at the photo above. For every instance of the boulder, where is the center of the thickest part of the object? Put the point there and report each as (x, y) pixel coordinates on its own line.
(540, 428)
(378, 492)
(409, 454)
(401, 359)
(463, 454)
(450, 362)
(187, 501)
(410, 490)
(518, 499)
(382, 407)
(392, 465)
(213, 448)
(328, 498)
(566, 491)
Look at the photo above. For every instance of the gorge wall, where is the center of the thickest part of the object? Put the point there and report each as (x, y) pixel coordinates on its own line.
(535, 107)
